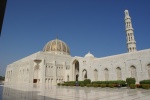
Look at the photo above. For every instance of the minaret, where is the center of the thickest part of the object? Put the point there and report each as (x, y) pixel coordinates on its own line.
(131, 43)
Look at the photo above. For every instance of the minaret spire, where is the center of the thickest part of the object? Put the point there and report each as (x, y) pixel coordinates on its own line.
(131, 43)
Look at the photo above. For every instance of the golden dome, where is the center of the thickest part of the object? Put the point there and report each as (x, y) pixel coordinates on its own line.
(57, 47)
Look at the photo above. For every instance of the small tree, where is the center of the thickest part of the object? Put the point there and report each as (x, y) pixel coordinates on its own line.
(130, 81)
(87, 81)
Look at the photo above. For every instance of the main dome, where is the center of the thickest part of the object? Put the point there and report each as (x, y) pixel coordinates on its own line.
(57, 47)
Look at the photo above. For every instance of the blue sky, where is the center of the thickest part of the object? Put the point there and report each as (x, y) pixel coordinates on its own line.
(84, 25)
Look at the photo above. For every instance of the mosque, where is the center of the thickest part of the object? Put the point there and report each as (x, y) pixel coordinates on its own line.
(55, 64)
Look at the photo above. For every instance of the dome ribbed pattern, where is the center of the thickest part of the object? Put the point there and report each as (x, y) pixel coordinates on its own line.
(57, 47)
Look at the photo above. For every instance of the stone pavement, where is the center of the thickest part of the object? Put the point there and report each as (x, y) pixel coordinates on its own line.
(48, 92)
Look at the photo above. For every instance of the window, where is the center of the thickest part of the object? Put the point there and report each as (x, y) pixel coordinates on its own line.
(133, 72)
(106, 74)
(118, 70)
(96, 74)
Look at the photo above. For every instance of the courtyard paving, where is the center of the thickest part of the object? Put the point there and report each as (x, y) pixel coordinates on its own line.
(48, 92)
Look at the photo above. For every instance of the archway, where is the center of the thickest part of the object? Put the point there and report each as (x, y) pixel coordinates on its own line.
(84, 74)
(118, 70)
(76, 69)
(133, 72)
(148, 67)
(96, 74)
(106, 74)
(77, 77)
(67, 77)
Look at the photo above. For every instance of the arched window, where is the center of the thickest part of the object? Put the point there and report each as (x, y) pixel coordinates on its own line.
(67, 77)
(133, 72)
(119, 75)
(75, 69)
(84, 74)
(106, 74)
(45, 80)
(96, 74)
(148, 67)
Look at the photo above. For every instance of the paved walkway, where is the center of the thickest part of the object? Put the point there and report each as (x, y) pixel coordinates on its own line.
(46, 92)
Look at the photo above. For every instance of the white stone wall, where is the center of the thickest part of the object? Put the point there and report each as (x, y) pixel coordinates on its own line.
(58, 68)
(139, 60)
(21, 70)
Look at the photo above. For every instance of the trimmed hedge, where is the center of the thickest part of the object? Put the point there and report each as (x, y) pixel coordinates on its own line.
(87, 81)
(116, 82)
(132, 86)
(145, 82)
(111, 85)
(69, 83)
(58, 84)
(95, 85)
(82, 84)
(103, 85)
(63, 84)
(73, 83)
(88, 85)
(130, 81)
(145, 86)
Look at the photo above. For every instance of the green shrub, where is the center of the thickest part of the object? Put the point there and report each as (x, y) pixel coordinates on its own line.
(66, 84)
(58, 84)
(132, 86)
(88, 85)
(145, 86)
(130, 81)
(145, 82)
(111, 85)
(95, 85)
(80, 82)
(103, 85)
(124, 85)
(63, 84)
(99, 85)
(72, 84)
(82, 85)
(121, 82)
(87, 81)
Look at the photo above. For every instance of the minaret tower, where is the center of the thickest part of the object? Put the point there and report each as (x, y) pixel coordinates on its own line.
(131, 43)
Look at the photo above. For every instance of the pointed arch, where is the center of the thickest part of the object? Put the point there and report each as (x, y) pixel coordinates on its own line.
(106, 71)
(96, 74)
(84, 74)
(148, 70)
(133, 71)
(118, 72)
(67, 77)
(75, 69)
